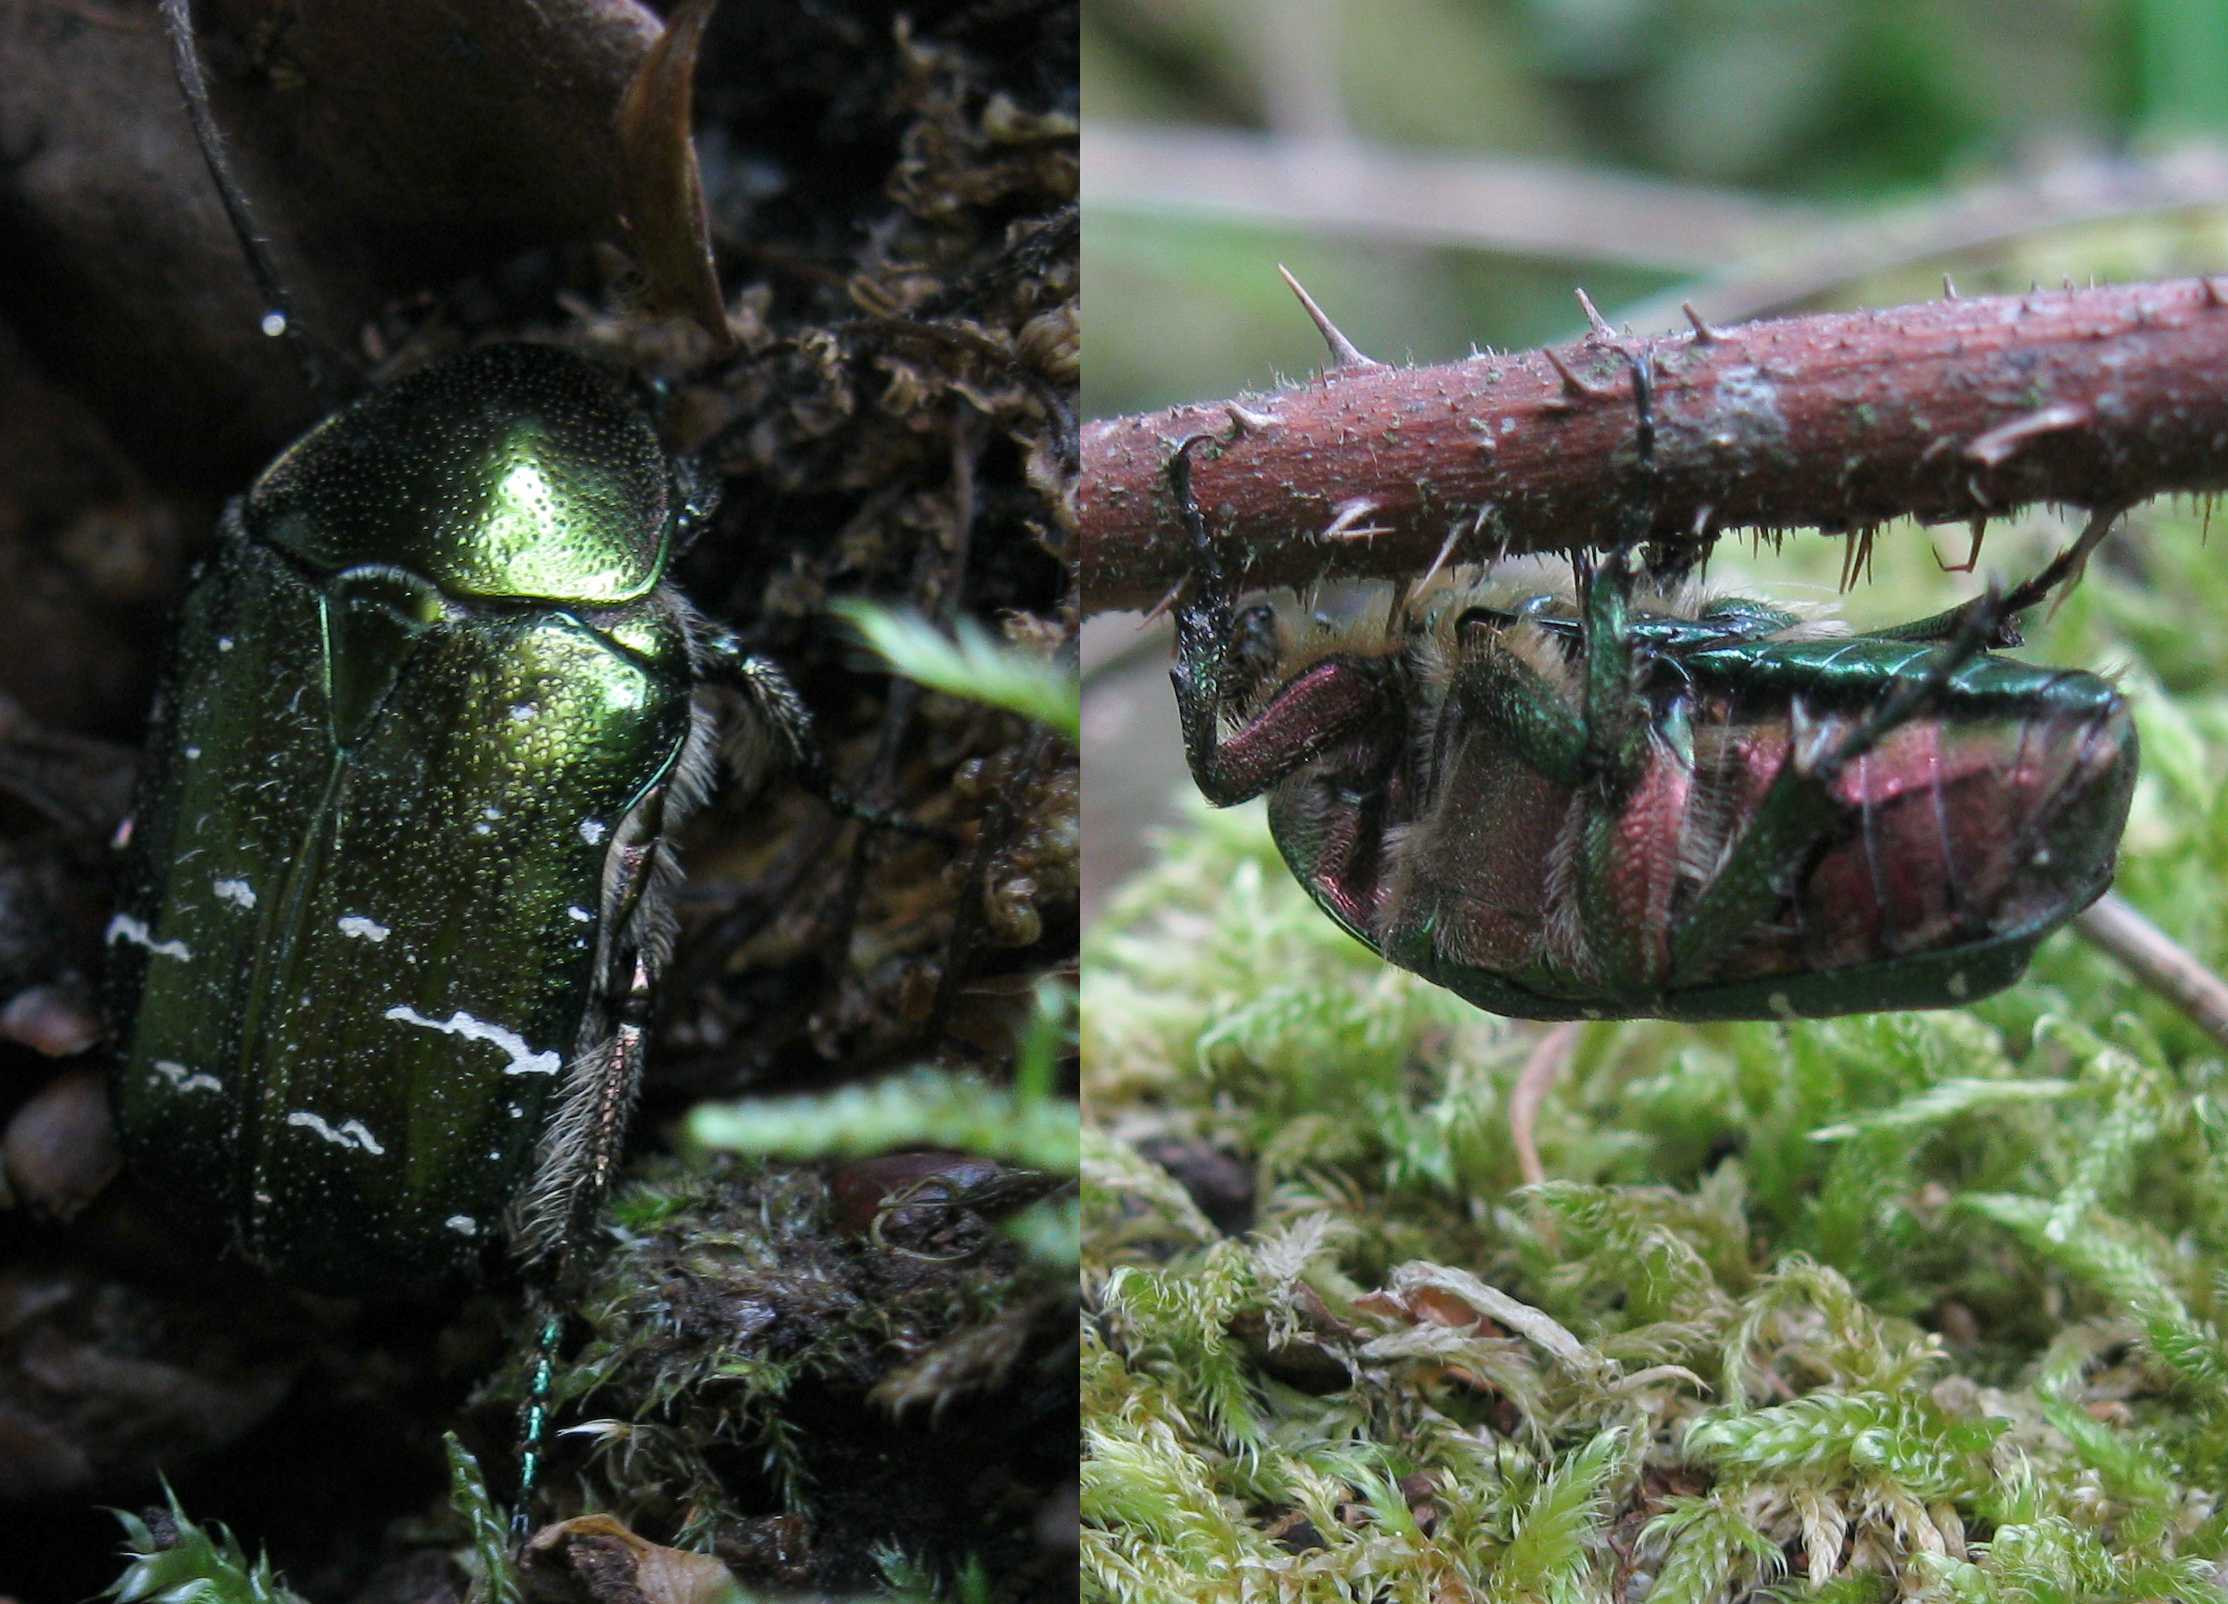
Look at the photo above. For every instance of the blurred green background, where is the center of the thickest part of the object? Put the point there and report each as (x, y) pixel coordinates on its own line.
(1440, 173)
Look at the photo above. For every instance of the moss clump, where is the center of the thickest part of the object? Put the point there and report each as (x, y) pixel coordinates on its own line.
(1924, 1304)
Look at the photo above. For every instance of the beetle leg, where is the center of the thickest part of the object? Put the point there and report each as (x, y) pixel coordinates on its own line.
(583, 1151)
(1617, 713)
(1800, 808)
(534, 1416)
(779, 712)
(1916, 694)
(1217, 666)
(1616, 710)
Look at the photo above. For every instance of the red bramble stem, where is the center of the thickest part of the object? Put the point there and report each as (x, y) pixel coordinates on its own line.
(1953, 410)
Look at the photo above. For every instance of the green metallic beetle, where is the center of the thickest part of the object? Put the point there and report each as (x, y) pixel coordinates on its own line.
(399, 872)
(1712, 809)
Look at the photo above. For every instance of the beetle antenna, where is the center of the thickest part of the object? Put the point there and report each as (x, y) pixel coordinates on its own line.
(193, 86)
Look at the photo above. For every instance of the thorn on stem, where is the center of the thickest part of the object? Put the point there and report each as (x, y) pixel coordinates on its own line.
(1978, 524)
(1705, 332)
(1344, 354)
(1856, 557)
(2213, 293)
(1454, 538)
(1245, 420)
(1163, 607)
(1949, 290)
(1594, 319)
(1998, 445)
(1571, 381)
(1346, 520)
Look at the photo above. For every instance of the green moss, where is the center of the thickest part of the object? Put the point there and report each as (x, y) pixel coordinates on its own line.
(1925, 1304)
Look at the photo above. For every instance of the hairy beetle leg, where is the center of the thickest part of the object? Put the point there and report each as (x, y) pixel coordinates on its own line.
(1801, 805)
(781, 711)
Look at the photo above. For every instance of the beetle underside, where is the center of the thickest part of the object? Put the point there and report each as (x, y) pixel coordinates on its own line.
(1699, 807)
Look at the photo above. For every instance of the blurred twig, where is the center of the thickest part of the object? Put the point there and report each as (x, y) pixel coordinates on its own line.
(2066, 195)
(1396, 196)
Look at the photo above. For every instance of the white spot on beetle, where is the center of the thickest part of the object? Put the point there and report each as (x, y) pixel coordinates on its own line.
(125, 928)
(593, 830)
(524, 1060)
(522, 711)
(491, 811)
(580, 915)
(462, 1224)
(355, 924)
(224, 643)
(192, 752)
(351, 1133)
(1781, 1005)
(235, 891)
(183, 1079)
(1957, 985)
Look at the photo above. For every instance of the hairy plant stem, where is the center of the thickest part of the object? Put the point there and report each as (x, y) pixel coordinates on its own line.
(1952, 410)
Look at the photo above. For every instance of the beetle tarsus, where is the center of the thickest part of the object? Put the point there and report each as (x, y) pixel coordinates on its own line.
(780, 711)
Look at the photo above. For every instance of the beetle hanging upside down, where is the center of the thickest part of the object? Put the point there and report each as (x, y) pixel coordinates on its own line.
(1702, 808)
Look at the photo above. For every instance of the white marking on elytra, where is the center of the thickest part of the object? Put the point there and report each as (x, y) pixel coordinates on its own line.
(236, 891)
(192, 752)
(125, 928)
(462, 1224)
(1957, 985)
(524, 1060)
(355, 924)
(491, 811)
(224, 643)
(593, 830)
(352, 1132)
(579, 915)
(522, 711)
(183, 1079)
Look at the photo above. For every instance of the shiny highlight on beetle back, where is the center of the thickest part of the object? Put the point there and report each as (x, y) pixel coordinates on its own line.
(506, 473)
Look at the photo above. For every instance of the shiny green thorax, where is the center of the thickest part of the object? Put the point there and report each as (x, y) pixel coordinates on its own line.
(506, 473)
(395, 861)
